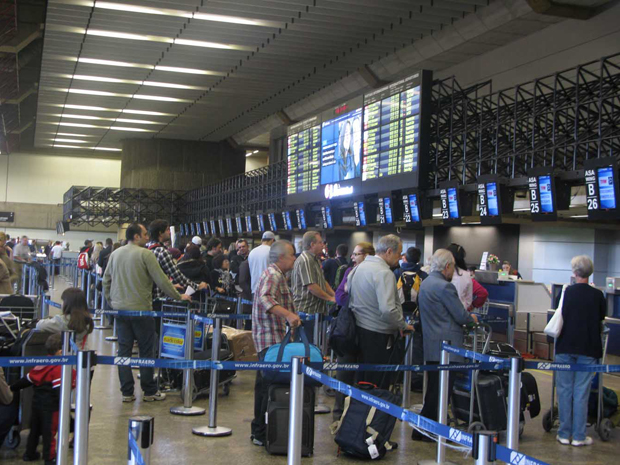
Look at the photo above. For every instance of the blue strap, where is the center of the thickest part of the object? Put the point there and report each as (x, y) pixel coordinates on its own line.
(135, 450)
(37, 360)
(548, 366)
(473, 355)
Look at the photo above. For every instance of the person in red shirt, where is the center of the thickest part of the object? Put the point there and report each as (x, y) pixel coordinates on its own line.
(45, 401)
(480, 294)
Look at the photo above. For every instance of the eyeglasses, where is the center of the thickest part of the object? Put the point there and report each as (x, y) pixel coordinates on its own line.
(355, 254)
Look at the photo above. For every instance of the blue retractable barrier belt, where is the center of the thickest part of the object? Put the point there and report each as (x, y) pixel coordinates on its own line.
(135, 450)
(473, 355)
(37, 360)
(460, 437)
(549, 366)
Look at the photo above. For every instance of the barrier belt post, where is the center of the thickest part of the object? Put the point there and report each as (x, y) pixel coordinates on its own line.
(407, 374)
(319, 409)
(514, 403)
(141, 434)
(64, 411)
(213, 430)
(296, 406)
(484, 447)
(45, 307)
(85, 360)
(188, 374)
(114, 336)
(239, 311)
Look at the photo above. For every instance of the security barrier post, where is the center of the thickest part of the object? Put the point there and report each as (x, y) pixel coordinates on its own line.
(64, 411)
(514, 403)
(319, 409)
(239, 311)
(141, 434)
(296, 406)
(85, 359)
(114, 336)
(407, 373)
(484, 447)
(213, 430)
(188, 374)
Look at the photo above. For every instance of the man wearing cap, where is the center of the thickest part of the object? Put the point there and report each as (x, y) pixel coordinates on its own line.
(197, 240)
(259, 258)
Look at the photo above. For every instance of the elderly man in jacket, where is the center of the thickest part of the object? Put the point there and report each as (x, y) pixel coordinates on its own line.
(442, 316)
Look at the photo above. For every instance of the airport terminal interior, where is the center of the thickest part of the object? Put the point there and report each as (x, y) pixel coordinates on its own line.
(481, 136)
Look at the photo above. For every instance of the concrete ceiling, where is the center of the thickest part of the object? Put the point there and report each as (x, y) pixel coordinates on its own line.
(215, 69)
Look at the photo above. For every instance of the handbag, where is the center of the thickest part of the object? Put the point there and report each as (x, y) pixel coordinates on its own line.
(554, 327)
(286, 350)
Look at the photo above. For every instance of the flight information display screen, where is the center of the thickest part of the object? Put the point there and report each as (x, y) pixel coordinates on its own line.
(326, 213)
(341, 147)
(606, 189)
(411, 208)
(248, 223)
(213, 230)
(601, 176)
(492, 199)
(261, 222)
(391, 130)
(239, 224)
(304, 153)
(546, 194)
(453, 203)
(229, 227)
(301, 218)
(286, 218)
(272, 222)
(221, 225)
(205, 227)
(360, 213)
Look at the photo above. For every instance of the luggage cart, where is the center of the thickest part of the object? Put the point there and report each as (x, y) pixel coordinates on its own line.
(603, 426)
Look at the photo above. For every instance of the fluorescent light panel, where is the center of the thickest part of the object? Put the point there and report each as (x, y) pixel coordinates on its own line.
(172, 12)
(114, 110)
(109, 149)
(93, 126)
(168, 85)
(73, 141)
(114, 94)
(148, 38)
(100, 118)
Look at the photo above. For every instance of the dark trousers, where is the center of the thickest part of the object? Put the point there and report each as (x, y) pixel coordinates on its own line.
(43, 423)
(431, 400)
(56, 262)
(378, 348)
(261, 391)
(141, 329)
(347, 377)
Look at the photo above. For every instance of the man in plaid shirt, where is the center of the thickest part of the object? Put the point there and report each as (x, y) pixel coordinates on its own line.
(159, 232)
(272, 309)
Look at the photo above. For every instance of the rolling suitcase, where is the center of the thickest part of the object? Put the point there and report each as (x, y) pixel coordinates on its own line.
(530, 398)
(276, 420)
(489, 404)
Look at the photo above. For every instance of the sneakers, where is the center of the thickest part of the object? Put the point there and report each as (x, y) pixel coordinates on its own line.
(158, 396)
(564, 442)
(586, 442)
(256, 441)
(127, 399)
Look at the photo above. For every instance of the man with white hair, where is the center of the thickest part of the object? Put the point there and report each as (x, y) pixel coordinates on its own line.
(442, 316)
(378, 312)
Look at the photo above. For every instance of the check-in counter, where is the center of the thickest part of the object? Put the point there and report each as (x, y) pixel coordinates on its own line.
(524, 304)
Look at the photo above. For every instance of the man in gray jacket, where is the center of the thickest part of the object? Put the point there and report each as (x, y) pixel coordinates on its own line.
(442, 316)
(378, 312)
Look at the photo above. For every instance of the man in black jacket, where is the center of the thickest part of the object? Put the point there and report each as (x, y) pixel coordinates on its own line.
(104, 255)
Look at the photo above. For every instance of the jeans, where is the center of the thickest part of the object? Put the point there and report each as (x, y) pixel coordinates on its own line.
(141, 329)
(573, 388)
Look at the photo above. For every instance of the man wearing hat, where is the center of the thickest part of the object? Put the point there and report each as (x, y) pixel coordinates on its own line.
(259, 258)
(196, 240)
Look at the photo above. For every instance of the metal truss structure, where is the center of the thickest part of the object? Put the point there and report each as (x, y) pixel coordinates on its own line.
(559, 120)
(109, 206)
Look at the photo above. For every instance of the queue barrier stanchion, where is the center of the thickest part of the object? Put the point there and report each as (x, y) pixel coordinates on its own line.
(407, 374)
(188, 374)
(64, 411)
(114, 336)
(100, 305)
(319, 409)
(212, 430)
(484, 447)
(85, 360)
(514, 402)
(140, 440)
(443, 410)
(296, 406)
(239, 311)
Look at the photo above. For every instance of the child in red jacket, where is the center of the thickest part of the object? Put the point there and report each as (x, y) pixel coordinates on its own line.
(45, 402)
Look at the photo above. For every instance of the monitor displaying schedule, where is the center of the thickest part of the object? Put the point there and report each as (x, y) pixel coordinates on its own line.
(239, 224)
(272, 222)
(411, 209)
(261, 222)
(546, 194)
(360, 213)
(248, 223)
(391, 130)
(286, 218)
(601, 176)
(301, 218)
(385, 210)
(606, 189)
(213, 230)
(304, 153)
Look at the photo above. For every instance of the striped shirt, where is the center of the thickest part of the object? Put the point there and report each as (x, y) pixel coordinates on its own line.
(307, 270)
(272, 290)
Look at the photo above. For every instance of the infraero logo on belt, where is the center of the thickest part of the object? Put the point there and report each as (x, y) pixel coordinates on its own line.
(459, 437)
(517, 459)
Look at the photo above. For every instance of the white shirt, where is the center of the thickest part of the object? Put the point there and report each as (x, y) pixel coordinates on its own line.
(464, 286)
(57, 252)
(259, 261)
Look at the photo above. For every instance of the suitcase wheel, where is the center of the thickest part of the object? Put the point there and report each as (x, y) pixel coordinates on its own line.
(521, 428)
(13, 439)
(476, 426)
(548, 420)
(226, 389)
(604, 430)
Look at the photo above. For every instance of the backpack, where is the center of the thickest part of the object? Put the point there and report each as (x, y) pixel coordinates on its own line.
(83, 262)
(342, 333)
(410, 285)
(363, 431)
(342, 269)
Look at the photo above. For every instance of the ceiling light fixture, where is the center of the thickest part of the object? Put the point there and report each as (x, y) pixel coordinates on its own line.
(168, 85)
(171, 12)
(114, 94)
(100, 118)
(74, 141)
(70, 134)
(109, 149)
(148, 38)
(114, 110)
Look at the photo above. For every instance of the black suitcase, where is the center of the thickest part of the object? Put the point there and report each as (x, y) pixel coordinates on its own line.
(202, 378)
(530, 398)
(502, 349)
(277, 419)
(491, 397)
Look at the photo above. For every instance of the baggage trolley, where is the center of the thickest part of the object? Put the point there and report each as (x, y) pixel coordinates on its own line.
(603, 426)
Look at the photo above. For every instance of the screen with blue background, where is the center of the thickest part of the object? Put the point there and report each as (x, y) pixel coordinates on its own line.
(341, 147)
(453, 203)
(362, 213)
(301, 219)
(248, 223)
(546, 195)
(261, 223)
(492, 205)
(607, 193)
(413, 207)
(286, 216)
(387, 204)
(328, 217)
(272, 222)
